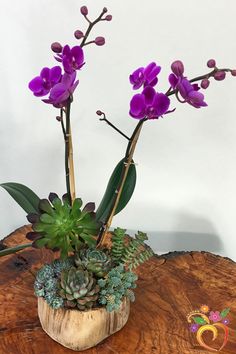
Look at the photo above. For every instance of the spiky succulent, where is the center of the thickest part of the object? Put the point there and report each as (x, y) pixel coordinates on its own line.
(97, 261)
(47, 282)
(117, 284)
(130, 251)
(79, 288)
(62, 226)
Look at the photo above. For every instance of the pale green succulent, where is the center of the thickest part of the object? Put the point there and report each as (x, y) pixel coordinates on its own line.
(79, 288)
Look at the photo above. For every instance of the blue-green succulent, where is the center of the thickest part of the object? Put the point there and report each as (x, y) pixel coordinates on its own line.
(117, 284)
(97, 261)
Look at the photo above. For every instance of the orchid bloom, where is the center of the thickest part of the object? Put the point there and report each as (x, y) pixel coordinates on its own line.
(42, 84)
(145, 76)
(189, 92)
(149, 104)
(62, 91)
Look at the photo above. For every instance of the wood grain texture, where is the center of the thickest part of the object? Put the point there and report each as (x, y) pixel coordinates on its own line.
(80, 330)
(169, 287)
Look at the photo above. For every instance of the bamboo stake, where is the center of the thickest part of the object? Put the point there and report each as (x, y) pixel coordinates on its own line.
(119, 191)
(71, 169)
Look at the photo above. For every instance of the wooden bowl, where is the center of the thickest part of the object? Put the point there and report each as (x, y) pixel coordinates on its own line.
(80, 330)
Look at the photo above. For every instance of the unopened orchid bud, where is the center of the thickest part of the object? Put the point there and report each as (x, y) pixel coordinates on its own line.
(99, 113)
(108, 18)
(84, 10)
(99, 41)
(233, 72)
(177, 67)
(78, 34)
(58, 118)
(104, 10)
(211, 63)
(205, 83)
(56, 47)
(219, 75)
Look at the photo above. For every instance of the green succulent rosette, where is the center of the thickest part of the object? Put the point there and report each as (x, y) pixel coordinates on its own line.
(79, 288)
(97, 261)
(60, 226)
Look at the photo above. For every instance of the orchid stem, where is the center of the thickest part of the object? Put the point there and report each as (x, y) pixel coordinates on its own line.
(113, 126)
(69, 164)
(128, 161)
(198, 78)
(90, 27)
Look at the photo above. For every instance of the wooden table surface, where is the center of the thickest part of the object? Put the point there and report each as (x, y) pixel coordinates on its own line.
(169, 287)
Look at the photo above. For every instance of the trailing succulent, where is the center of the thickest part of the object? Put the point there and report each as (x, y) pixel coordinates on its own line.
(62, 226)
(130, 251)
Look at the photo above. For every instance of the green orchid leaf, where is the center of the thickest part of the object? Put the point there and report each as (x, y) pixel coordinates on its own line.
(24, 196)
(113, 184)
(199, 320)
(225, 312)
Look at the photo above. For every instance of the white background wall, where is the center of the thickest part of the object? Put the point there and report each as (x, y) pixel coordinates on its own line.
(185, 194)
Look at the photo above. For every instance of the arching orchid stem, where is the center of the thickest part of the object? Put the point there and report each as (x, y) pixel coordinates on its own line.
(199, 78)
(111, 125)
(90, 27)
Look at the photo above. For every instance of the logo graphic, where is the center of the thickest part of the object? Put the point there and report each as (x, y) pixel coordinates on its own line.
(205, 320)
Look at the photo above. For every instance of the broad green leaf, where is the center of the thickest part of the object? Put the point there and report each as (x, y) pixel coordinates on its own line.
(199, 320)
(225, 312)
(113, 184)
(24, 196)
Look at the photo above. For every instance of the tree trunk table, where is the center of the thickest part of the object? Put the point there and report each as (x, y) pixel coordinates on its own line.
(169, 288)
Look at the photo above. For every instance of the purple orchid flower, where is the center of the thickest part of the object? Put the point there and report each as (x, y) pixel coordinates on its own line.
(149, 104)
(42, 84)
(189, 92)
(71, 58)
(62, 91)
(145, 76)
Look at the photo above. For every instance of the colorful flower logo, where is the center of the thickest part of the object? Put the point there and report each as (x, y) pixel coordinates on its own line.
(205, 320)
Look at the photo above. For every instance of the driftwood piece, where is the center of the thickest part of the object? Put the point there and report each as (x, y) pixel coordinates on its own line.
(169, 287)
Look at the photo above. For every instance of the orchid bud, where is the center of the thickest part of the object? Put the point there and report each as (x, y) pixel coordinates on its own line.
(205, 83)
(219, 75)
(84, 10)
(99, 41)
(104, 10)
(99, 113)
(78, 34)
(58, 118)
(177, 67)
(56, 47)
(108, 18)
(233, 72)
(211, 63)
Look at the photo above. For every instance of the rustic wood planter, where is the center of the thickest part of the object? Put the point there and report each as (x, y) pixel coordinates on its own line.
(80, 330)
